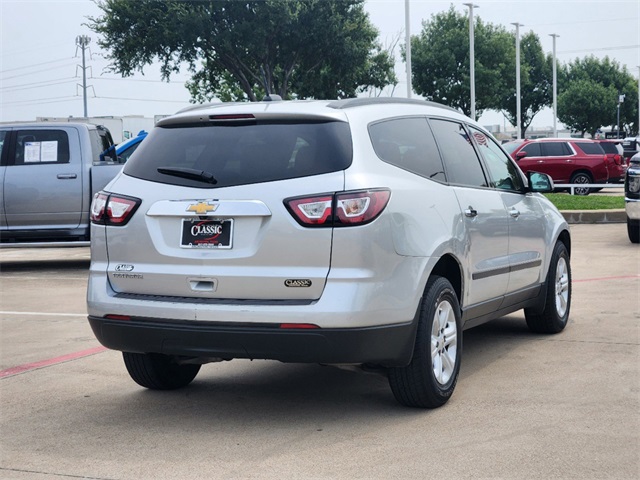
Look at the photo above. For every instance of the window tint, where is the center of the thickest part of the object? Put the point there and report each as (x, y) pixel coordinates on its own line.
(461, 162)
(609, 147)
(124, 156)
(556, 149)
(101, 144)
(409, 144)
(591, 148)
(41, 146)
(510, 147)
(504, 174)
(3, 135)
(533, 150)
(243, 153)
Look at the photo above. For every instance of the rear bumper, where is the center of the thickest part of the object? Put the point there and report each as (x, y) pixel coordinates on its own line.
(390, 345)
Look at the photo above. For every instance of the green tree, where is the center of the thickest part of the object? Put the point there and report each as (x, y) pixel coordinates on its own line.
(536, 89)
(440, 61)
(605, 75)
(585, 105)
(239, 50)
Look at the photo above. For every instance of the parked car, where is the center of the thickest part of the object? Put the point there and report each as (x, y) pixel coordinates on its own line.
(616, 163)
(632, 198)
(630, 146)
(361, 231)
(566, 160)
(48, 175)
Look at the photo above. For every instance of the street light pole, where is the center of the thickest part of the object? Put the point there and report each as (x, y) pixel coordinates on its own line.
(407, 27)
(518, 106)
(555, 87)
(472, 60)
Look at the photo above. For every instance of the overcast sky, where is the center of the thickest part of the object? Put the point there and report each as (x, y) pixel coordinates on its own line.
(39, 65)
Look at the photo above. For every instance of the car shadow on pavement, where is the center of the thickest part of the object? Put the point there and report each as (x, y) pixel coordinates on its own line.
(270, 394)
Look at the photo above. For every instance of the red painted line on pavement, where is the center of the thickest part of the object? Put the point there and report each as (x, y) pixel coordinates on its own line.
(622, 277)
(9, 372)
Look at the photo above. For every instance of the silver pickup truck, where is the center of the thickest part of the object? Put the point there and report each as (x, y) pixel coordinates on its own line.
(48, 175)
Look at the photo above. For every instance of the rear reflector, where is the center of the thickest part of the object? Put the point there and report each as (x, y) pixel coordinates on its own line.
(118, 317)
(298, 326)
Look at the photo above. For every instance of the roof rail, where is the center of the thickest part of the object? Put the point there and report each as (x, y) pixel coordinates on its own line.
(360, 102)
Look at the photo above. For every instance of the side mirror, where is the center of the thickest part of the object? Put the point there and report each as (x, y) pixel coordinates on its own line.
(540, 182)
(521, 154)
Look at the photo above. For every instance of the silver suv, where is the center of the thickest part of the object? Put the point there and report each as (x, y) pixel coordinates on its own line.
(363, 231)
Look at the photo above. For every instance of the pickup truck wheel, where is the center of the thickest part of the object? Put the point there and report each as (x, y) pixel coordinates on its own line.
(633, 230)
(429, 380)
(158, 372)
(581, 178)
(557, 304)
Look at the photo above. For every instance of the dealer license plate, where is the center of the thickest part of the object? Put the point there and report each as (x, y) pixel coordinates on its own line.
(207, 233)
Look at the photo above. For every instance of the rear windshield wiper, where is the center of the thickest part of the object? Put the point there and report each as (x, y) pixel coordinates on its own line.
(190, 173)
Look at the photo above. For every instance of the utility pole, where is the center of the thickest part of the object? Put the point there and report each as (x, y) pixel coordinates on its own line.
(472, 59)
(82, 41)
(518, 104)
(407, 27)
(555, 87)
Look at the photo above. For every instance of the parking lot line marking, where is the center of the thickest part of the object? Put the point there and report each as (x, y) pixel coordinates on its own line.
(27, 367)
(621, 277)
(84, 315)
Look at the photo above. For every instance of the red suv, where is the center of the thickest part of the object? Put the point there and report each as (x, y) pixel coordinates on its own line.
(616, 163)
(566, 160)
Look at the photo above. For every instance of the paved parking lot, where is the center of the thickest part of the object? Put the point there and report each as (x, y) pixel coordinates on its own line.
(526, 406)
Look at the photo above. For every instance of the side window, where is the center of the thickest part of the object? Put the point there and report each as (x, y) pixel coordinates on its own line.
(409, 144)
(504, 174)
(461, 162)
(41, 146)
(591, 148)
(532, 149)
(102, 146)
(556, 149)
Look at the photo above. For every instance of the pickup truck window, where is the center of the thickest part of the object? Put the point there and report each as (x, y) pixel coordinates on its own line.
(41, 146)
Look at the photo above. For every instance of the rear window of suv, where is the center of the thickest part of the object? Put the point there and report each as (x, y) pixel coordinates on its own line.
(239, 154)
(590, 148)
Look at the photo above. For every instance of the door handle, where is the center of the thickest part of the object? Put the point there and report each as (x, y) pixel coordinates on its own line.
(514, 213)
(67, 176)
(471, 212)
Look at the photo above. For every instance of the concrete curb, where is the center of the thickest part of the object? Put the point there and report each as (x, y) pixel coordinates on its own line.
(595, 216)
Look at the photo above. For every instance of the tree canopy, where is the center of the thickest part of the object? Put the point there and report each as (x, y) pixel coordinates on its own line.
(588, 95)
(441, 62)
(239, 50)
(536, 89)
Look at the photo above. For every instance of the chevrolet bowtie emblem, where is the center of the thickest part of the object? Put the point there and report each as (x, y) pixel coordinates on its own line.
(202, 207)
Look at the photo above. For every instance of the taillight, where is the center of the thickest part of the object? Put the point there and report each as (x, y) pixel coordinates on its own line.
(618, 159)
(339, 209)
(112, 209)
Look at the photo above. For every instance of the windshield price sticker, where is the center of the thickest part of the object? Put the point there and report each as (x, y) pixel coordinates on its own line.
(215, 234)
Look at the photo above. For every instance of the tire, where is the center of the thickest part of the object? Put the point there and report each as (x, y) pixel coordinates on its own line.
(557, 304)
(581, 178)
(426, 383)
(633, 230)
(158, 372)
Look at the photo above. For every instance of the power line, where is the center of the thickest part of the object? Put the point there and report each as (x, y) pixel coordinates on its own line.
(29, 86)
(624, 47)
(142, 100)
(34, 72)
(37, 64)
(38, 100)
